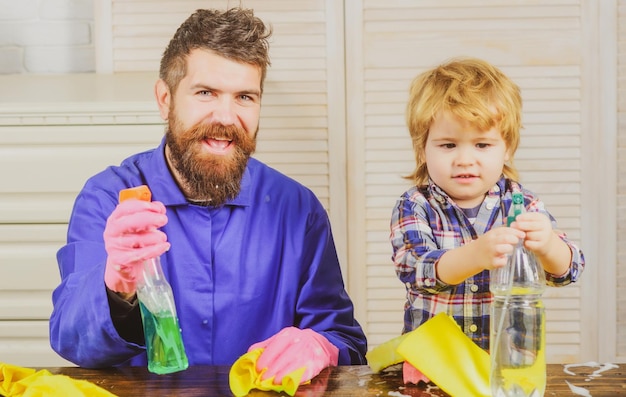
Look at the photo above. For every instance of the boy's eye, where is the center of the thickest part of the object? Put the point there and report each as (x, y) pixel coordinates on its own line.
(448, 145)
(482, 145)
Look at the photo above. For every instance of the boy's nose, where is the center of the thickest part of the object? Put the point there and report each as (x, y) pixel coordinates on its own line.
(464, 157)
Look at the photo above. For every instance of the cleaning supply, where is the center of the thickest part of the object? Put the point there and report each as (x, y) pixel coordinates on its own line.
(517, 337)
(293, 348)
(282, 362)
(410, 374)
(386, 354)
(244, 376)
(126, 248)
(450, 359)
(164, 344)
(18, 381)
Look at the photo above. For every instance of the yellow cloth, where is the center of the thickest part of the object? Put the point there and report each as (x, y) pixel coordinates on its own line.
(385, 354)
(244, 377)
(448, 357)
(26, 382)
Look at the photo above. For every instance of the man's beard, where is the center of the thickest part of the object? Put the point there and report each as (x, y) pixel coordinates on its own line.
(207, 178)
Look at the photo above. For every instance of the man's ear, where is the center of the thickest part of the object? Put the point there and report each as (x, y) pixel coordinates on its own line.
(163, 98)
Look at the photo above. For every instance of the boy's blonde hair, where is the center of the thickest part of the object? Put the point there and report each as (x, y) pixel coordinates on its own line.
(472, 90)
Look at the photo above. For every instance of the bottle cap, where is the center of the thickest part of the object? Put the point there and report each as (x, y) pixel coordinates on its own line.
(141, 192)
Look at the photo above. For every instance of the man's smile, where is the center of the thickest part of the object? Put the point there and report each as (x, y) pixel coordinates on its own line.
(218, 145)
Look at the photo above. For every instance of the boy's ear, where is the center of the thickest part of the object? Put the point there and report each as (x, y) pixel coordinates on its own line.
(163, 97)
(422, 150)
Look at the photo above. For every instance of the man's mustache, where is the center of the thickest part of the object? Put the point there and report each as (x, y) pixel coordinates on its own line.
(205, 131)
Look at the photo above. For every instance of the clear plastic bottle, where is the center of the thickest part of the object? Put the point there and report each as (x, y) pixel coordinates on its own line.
(164, 343)
(517, 337)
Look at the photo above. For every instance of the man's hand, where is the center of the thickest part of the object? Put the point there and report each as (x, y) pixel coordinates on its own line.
(293, 348)
(131, 236)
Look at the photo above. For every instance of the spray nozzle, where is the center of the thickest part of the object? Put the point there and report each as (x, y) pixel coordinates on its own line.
(517, 207)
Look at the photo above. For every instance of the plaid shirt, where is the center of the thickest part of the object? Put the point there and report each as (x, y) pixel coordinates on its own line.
(425, 223)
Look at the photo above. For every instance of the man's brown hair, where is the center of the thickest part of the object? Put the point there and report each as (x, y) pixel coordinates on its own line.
(235, 34)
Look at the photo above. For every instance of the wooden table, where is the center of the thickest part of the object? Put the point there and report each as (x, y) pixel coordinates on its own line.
(209, 381)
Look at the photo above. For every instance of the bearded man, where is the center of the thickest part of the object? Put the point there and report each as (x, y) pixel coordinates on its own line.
(248, 252)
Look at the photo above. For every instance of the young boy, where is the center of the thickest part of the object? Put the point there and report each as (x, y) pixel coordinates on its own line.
(447, 231)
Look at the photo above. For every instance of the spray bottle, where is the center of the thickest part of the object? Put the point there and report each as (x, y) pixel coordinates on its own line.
(164, 344)
(517, 324)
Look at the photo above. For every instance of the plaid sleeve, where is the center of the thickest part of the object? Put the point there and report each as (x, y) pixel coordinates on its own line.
(577, 263)
(415, 243)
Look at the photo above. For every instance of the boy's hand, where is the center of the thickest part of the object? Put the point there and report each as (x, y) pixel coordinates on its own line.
(496, 244)
(489, 251)
(538, 230)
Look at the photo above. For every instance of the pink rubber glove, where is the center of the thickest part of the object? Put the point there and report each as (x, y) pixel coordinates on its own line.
(131, 236)
(410, 374)
(293, 348)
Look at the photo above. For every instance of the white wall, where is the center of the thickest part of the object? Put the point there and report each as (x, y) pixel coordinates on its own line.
(565, 62)
(46, 36)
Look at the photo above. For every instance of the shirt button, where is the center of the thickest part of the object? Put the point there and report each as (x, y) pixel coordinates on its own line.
(205, 322)
(489, 206)
(474, 288)
(473, 328)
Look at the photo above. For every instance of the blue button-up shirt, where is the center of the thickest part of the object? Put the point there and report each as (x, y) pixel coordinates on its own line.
(239, 273)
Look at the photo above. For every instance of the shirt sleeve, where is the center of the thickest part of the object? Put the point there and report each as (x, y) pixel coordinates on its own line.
(577, 263)
(81, 326)
(323, 304)
(576, 267)
(126, 318)
(415, 251)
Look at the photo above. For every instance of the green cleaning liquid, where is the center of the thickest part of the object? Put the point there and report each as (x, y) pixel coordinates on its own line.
(163, 342)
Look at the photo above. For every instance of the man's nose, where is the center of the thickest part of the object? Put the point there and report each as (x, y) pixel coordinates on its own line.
(224, 111)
